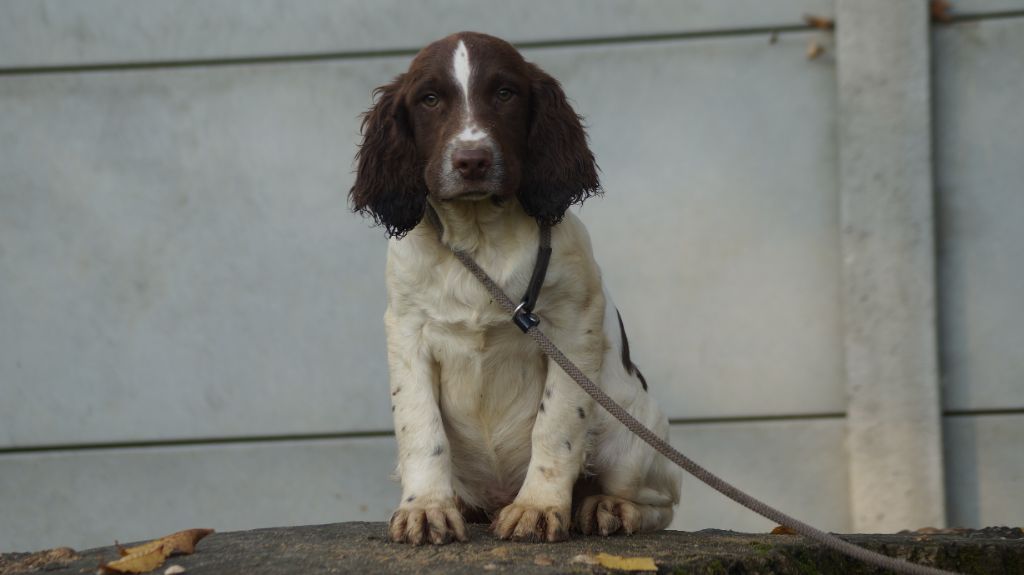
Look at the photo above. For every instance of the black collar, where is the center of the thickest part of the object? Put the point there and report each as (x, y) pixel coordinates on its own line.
(523, 316)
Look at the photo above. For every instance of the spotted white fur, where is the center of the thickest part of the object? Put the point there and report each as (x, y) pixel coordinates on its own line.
(510, 430)
(483, 419)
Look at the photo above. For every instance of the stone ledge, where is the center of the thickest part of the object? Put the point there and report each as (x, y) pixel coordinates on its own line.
(362, 548)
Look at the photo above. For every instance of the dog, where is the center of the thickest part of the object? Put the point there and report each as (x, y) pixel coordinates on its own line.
(488, 428)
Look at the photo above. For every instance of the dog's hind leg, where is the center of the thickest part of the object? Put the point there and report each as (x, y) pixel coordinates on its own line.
(634, 488)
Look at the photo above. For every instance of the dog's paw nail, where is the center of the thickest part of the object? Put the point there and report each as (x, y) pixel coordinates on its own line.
(435, 523)
(607, 515)
(525, 523)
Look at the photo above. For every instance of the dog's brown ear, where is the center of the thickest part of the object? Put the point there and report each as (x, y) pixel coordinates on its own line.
(559, 170)
(390, 186)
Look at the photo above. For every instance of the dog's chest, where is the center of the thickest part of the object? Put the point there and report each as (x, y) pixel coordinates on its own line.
(491, 379)
(490, 389)
(472, 338)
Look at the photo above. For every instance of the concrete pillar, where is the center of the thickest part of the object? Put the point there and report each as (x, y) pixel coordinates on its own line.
(885, 182)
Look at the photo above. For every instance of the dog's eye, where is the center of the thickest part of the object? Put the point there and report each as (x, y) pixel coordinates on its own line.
(430, 100)
(505, 94)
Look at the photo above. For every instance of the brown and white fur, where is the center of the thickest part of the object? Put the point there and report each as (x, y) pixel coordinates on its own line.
(486, 425)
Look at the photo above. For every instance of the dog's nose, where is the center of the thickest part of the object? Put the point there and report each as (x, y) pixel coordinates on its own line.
(472, 163)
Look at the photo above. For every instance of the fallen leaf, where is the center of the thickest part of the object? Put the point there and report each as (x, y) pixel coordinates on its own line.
(626, 563)
(149, 556)
(819, 22)
(814, 49)
(940, 10)
(783, 530)
(136, 563)
(183, 542)
(38, 560)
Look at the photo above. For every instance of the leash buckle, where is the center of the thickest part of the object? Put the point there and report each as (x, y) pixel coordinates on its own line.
(524, 318)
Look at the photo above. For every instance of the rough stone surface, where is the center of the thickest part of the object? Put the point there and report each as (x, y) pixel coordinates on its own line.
(362, 548)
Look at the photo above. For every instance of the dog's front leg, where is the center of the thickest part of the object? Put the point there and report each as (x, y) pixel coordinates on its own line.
(428, 511)
(541, 510)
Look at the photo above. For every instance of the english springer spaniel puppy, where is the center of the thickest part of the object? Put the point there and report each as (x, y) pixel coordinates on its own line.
(487, 426)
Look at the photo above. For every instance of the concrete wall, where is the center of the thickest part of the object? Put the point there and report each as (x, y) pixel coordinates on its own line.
(190, 327)
(978, 77)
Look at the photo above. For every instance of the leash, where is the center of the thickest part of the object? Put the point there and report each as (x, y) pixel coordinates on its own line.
(524, 318)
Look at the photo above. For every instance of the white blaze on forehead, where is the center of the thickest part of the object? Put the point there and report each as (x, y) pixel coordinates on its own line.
(460, 67)
(462, 70)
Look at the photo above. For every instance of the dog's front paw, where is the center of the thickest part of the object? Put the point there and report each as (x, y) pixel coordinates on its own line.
(606, 515)
(531, 523)
(436, 522)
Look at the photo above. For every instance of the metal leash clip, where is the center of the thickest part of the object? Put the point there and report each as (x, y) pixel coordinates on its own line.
(524, 318)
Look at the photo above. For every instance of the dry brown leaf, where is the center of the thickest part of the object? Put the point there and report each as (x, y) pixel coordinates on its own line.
(41, 559)
(783, 530)
(819, 22)
(940, 10)
(814, 49)
(626, 563)
(183, 542)
(149, 556)
(136, 562)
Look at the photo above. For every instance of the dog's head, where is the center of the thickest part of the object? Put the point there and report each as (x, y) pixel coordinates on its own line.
(471, 121)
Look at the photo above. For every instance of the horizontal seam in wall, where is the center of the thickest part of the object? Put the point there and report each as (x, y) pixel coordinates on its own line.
(983, 412)
(251, 439)
(392, 53)
(200, 441)
(756, 418)
(398, 52)
(971, 17)
(208, 441)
